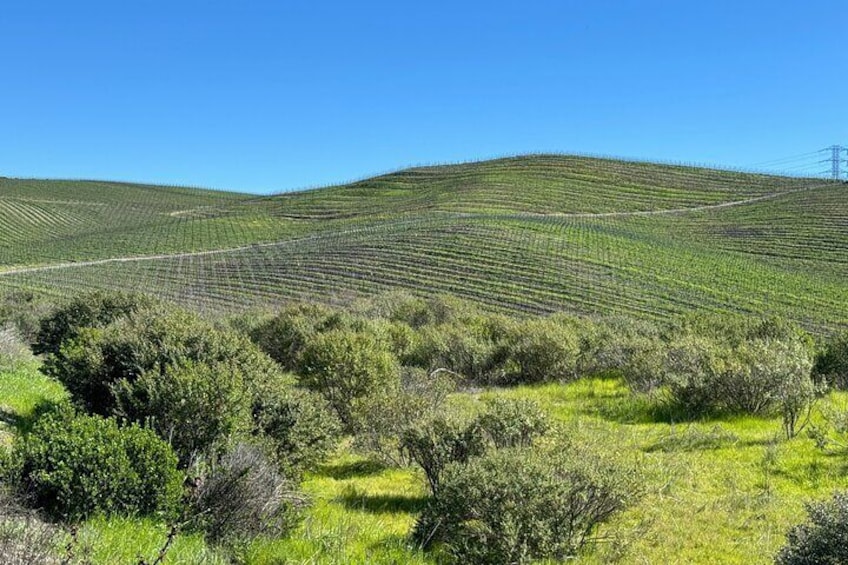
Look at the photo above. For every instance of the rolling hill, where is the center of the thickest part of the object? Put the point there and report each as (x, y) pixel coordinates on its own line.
(534, 234)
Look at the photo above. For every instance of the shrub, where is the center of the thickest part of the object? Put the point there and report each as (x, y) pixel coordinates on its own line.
(823, 538)
(538, 350)
(440, 441)
(462, 349)
(302, 428)
(757, 373)
(346, 366)
(689, 369)
(832, 362)
(94, 310)
(192, 404)
(76, 466)
(138, 367)
(513, 422)
(242, 496)
(519, 506)
(284, 336)
(384, 418)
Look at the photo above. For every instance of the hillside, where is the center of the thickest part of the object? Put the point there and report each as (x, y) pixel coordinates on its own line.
(537, 233)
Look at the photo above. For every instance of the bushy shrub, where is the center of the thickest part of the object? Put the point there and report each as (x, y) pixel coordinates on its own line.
(193, 381)
(465, 350)
(539, 350)
(690, 370)
(13, 351)
(520, 505)
(92, 310)
(757, 372)
(241, 496)
(832, 362)
(302, 428)
(346, 366)
(284, 336)
(823, 538)
(76, 466)
(192, 404)
(757, 376)
(384, 418)
(440, 441)
(513, 422)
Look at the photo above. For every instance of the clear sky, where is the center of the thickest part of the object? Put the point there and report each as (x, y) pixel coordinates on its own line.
(265, 96)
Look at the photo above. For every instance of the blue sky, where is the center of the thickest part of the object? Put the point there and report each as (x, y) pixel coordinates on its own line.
(269, 96)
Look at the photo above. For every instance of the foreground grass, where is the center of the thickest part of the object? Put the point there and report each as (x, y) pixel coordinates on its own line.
(719, 491)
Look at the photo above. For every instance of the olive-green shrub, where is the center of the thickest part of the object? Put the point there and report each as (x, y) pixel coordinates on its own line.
(347, 366)
(300, 427)
(75, 466)
(522, 505)
(823, 538)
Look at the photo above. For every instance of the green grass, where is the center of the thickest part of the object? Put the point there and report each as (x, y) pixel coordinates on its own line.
(525, 234)
(719, 491)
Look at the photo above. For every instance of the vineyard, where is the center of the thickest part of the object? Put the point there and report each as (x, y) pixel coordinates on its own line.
(524, 234)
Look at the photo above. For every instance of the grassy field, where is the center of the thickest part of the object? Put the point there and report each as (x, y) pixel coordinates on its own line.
(526, 234)
(719, 491)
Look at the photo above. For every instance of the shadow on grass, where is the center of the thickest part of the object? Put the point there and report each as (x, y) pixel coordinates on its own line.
(343, 471)
(23, 423)
(382, 503)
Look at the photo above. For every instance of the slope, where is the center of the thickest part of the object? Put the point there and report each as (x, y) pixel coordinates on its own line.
(538, 233)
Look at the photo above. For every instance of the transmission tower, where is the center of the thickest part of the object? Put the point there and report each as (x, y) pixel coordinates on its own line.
(836, 160)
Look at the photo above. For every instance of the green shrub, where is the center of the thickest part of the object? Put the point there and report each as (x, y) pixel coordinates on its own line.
(241, 496)
(383, 419)
(440, 441)
(520, 505)
(539, 350)
(757, 373)
(284, 336)
(832, 362)
(93, 310)
(76, 466)
(157, 361)
(302, 428)
(823, 538)
(462, 349)
(513, 422)
(193, 404)
(347, 366)
(690, 370)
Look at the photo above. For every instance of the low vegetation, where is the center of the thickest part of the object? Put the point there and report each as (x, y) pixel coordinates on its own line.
(539, 438)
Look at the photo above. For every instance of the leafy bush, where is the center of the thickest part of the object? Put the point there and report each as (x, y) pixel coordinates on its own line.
(513, 422)
(691, 366)
(519, 506)
(832, 362)
(440, 441)
(243, 496)
(93, 310)
(757, 373)
(538, 350)
(76, 466)
(192, 404)
(384, 418)
(462, 349)
(195, 383)
(346, 366)
(823, 538)
(284, 336)
(302, 428)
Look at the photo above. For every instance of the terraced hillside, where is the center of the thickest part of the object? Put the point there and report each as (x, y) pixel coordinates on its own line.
(534, 233)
